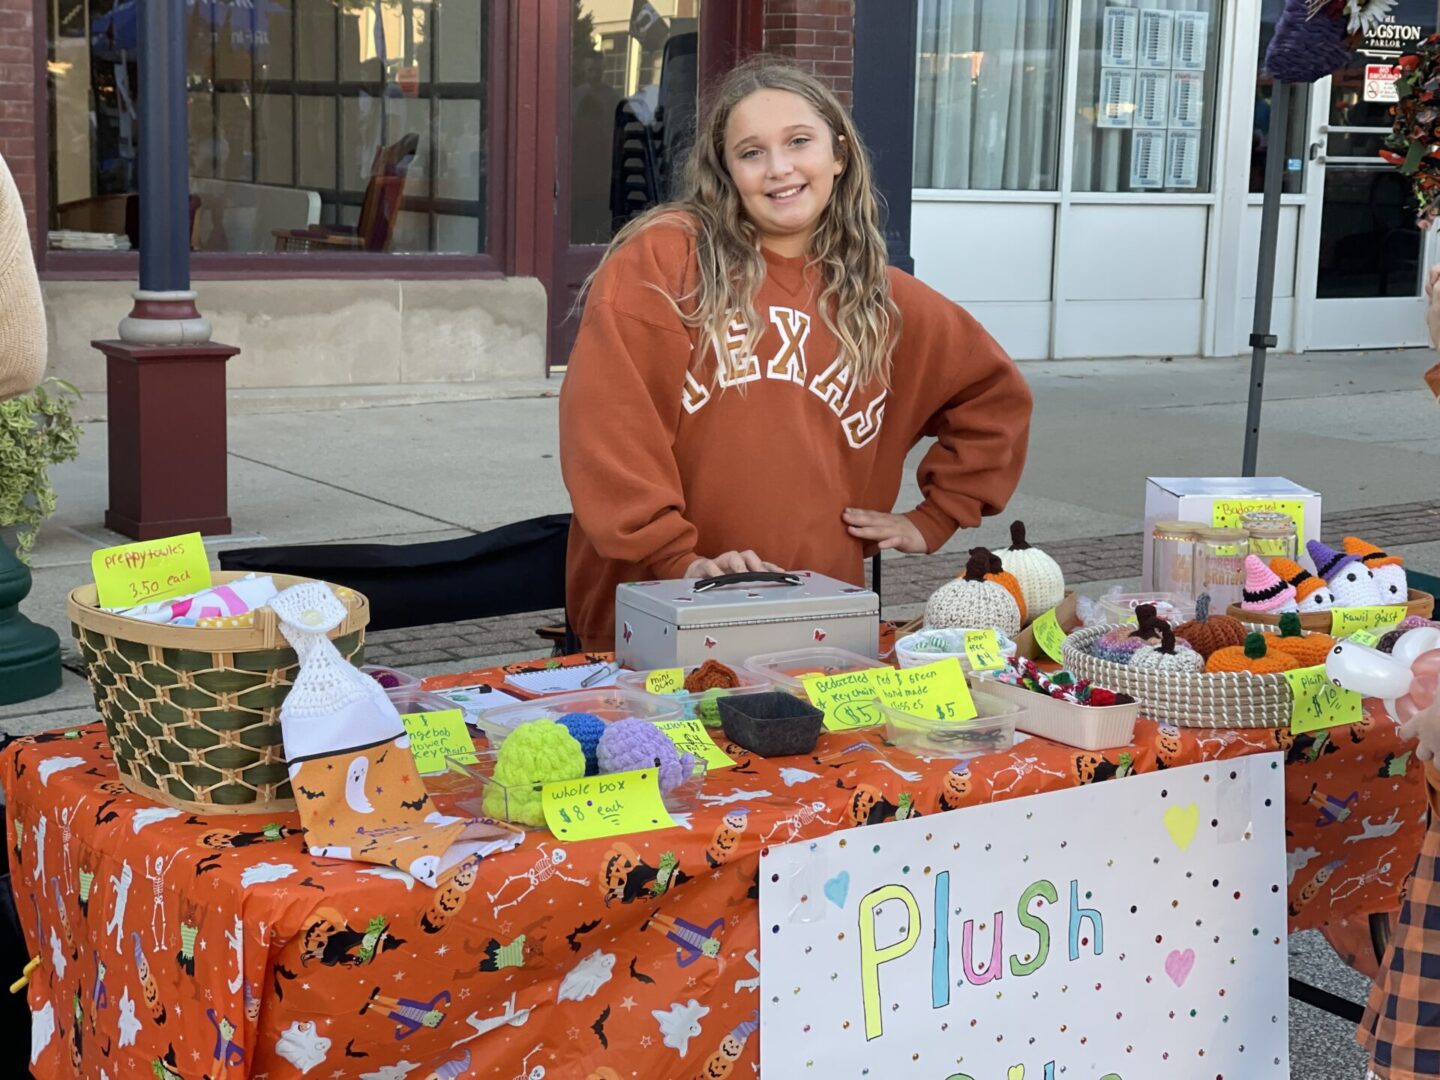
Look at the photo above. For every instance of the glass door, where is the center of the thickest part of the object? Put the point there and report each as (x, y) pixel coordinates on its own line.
(1369, 255)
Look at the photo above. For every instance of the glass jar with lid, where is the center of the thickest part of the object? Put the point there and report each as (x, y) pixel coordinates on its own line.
(1220, 565)
(1172, 555)
(1271, 534)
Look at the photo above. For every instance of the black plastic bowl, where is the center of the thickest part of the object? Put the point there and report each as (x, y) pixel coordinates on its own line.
(775, 724)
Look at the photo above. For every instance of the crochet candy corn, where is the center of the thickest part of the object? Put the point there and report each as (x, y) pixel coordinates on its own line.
(1264, 590)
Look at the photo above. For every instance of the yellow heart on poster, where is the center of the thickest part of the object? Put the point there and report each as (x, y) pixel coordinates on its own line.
(1181, 823)
(1017, 1072)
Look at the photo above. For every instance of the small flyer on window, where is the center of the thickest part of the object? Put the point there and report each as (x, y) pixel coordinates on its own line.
(1187, 100)
(1182, 160)
(1117, 99)
(1118, 44)
(1152, 100)
(1147, 159)
(1157, 34)
(1192, 35)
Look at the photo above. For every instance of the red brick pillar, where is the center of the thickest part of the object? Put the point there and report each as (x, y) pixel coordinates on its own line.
(17, 99)
(817, 34)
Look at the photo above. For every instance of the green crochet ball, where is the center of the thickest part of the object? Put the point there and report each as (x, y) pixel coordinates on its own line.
(708, 709)
(535, 753)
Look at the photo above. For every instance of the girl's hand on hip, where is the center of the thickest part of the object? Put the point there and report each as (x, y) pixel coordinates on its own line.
(885, 531)
(730, 562)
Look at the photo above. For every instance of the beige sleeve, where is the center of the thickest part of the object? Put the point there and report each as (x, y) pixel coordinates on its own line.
(22, 316)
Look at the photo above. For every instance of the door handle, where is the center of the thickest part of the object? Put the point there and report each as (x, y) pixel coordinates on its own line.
(1315, 153)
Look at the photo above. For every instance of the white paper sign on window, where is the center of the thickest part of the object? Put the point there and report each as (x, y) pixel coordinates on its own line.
(1118, 44)
(1192, 34)
(1117, 99)
(1182, 160)
(1187, 100)
(1152, 100)
(1047, 938)
(1147, 159)
(1157, 33)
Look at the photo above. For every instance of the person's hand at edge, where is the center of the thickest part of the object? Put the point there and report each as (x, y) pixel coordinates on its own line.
(885, 531)
(730, 562)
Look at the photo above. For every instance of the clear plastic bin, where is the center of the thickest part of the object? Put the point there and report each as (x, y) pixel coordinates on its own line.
(1174, 608)
(788, 670)
(412, 699)
(930, 646)
(990, 731)
(609, 703)
(691, 703)
(1085, 727)
(390, 678)
(470, 789)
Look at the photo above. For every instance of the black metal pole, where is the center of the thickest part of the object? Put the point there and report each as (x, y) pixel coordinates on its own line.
(1261, 339)
(884, 108)
(164, 148)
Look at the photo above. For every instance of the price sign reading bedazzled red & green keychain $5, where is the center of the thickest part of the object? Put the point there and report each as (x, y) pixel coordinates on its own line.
(849, 700)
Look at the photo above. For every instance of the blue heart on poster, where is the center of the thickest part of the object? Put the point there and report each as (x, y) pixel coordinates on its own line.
(837, 888)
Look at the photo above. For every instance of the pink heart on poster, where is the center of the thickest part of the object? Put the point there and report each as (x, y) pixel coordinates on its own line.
(710, 642)
(1178, 965)
(819, 635)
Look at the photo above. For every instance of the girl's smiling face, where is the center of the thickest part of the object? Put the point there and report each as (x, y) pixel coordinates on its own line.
(782, 158)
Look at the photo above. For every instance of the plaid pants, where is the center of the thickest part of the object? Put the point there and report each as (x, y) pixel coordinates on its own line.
(1401, 1026)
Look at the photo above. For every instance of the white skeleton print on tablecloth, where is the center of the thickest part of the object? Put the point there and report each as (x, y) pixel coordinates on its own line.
(1022, 769)
(753, 959)
(736, 795)
(121, 887)
(510, 1017)
(1380, 873)
(805, 815)
(37, 873)
(537, 1073)
(66, 816)
(546, 867)
(1377, 830)
(156, 877)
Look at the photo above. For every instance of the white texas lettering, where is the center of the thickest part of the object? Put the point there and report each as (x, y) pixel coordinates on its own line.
(695, 393)
(861, 427)
(789, 362)
(737, 366)
(832, 386)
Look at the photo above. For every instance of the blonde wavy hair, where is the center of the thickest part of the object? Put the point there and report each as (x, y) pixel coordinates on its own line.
(847, 248)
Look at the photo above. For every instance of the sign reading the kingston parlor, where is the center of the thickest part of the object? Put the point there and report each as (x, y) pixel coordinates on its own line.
(1119, 931)
(134, 574)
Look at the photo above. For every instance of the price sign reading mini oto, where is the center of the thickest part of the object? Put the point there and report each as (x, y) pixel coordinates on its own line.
(1344, 621)
(1049, 635)
(435, 736)
(690, 737)
(1319, 703)
(612, 805)
(847, 699)
(665, 681)
(982, 649)
(134, 574)
(935, 691)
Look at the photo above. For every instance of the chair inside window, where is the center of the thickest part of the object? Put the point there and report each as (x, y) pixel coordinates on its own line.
(381, 206)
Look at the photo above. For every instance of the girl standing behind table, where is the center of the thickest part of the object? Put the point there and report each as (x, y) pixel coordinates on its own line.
(749, 375)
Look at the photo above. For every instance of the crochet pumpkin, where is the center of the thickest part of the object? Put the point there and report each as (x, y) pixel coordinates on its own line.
(972, 602)
(1309, 649)
(1206, 633)
(1254, 657)
(1041, 580)
(1170, 655)
(1121, 642)
(998, 573)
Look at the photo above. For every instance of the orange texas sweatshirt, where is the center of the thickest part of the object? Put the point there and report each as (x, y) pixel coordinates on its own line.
(667, 459)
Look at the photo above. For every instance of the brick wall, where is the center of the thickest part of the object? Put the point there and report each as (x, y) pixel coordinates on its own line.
(17, 97)
(817, 34)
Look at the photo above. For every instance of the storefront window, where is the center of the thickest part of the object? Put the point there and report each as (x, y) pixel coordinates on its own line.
(1146, 94)
(1297, 131)
(315, 125)
(987, 94)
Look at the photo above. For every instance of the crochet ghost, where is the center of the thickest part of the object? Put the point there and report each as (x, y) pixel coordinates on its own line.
(1311, 593)
(1264, 590)
(1389, 570)
(1350, 581)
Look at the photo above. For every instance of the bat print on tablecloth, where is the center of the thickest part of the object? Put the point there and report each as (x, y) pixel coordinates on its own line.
(573, 937)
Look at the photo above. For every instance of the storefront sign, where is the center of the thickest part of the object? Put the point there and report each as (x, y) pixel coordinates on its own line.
(1121, 931)
(1380, 82)
(1391, 38)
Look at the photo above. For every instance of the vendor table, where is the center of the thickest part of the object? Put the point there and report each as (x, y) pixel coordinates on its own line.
(185, 947)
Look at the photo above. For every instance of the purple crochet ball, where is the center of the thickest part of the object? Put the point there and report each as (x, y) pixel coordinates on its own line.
(638, 744)
(1304, 50)
(586, 729)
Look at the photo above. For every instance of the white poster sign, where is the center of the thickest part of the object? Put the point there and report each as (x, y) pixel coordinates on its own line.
(1129, 930)
(1117, 99)
(1147, 159)
(1117, 45)
(1152, 99)
(1187, 100)
(1192, 37)
(1157, 32)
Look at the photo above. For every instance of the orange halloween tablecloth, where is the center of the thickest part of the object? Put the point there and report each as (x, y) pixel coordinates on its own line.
(183, 947)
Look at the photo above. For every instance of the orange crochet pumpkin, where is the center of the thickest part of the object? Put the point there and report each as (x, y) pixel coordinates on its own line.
(1310, 649)
(1207, 633)
(1252, 657)
(999, 574)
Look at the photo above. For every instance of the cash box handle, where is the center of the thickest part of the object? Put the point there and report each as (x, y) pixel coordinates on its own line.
(750, 577)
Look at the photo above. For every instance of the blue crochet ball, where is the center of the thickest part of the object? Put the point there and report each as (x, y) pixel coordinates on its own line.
(586, 729)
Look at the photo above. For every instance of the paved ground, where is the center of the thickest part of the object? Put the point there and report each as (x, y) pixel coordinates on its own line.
(428, 463)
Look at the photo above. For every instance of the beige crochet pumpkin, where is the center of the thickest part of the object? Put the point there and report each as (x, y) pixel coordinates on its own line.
(973, 602)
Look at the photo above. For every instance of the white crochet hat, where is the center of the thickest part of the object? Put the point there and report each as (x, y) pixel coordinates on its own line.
(1042, 582)
(972, 601)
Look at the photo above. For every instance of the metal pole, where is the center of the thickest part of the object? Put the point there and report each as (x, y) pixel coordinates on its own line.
(1261, 339)
(884, 96)
(164, 148)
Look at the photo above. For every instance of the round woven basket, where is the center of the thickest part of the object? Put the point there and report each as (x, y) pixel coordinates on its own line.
(1221, 700)
(1417, 603)
(193, 714)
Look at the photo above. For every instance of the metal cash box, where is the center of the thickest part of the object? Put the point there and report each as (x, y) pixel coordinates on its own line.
(660, 624)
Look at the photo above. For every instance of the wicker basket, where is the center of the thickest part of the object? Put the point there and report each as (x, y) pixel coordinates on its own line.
(1221, 700)
(193, 715)
(1419, 603)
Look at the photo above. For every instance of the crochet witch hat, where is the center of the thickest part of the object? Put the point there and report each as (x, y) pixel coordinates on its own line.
(1349, 579)
(1389, 570)
(1310, 591)
(1264, 590)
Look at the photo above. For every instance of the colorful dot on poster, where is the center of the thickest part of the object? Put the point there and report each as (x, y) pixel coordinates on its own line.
(775, 929)
(905, 869)
(875, 850)
(1192, 1017)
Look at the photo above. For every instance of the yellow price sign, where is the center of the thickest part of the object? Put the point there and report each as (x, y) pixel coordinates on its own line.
(1049, 635)
(1365, 637)
(982, 649)
(934, 690)
(1344, 621)
(615, 804)
(435, 736)
(665, 681)
(134, 574)
(847, 699)
(691, 737)
(1319, 703)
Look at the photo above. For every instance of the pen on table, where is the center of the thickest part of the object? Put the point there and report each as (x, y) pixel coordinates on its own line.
(606, 670)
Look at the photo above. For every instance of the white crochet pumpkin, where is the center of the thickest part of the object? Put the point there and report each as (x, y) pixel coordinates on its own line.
(971, 601)
(1041, 580)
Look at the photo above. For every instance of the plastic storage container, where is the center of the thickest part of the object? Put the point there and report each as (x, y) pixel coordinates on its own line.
(412, 699)
(692, 704)
(1084, 727)
(788, 670)
(609, 703)
(774, 724)
(1174, 608)
(990, 731)
(390, 678)
(927, 646)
